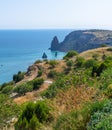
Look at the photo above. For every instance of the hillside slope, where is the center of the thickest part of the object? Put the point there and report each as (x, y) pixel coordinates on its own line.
(74, 90)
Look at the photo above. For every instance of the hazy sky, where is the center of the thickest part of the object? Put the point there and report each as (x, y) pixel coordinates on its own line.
(36, 14)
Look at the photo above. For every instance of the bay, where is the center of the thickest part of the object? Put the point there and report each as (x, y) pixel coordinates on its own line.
(21, 48)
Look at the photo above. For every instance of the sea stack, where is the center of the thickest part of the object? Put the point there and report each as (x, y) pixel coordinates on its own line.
(54, 44)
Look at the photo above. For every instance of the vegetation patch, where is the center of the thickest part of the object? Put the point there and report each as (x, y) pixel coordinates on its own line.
(70, 54)
(8, 110)
(33, 116)
(18, 77)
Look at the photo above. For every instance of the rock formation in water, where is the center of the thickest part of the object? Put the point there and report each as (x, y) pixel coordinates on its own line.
(54, 44)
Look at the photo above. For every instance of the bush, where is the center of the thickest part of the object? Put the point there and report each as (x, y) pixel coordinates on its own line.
(42, 112)
(39, 73)
(8, 110)
(37, 83)
(105, 79)
(18, 77)
(69, 63)
(52, 74)
(70, 54)
(101, 119)
(33, 115)
(98, 69)
(72, 121)
(52, 63)
(90, 63)
(109, 49)
(61, 83)
(7, 90)
(77, 120)
(6, 84)
(95, 56)
(23, 88)
(108, 91)
(28, 119)
(80, 61)
(38, 61)
(103, 45)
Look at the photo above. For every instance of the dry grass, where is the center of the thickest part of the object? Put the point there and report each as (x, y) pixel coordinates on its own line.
(74, 98)
(100, 51)
(31, 96)
(70, 99)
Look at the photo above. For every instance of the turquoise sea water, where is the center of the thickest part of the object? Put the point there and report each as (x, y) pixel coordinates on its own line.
(21, 48)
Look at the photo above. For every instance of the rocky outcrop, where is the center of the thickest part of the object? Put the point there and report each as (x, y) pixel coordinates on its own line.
(54, 44)
(82, 40)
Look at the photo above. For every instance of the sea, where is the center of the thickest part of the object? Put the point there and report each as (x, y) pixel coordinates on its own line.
(21, 48)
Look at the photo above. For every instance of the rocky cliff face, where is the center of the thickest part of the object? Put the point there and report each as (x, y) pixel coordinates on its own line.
(54, 44)
(83, 40)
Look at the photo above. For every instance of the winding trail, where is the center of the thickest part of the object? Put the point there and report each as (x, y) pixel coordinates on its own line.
(34, 95)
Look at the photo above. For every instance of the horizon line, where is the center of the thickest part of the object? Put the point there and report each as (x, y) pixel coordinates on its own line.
(52, 29)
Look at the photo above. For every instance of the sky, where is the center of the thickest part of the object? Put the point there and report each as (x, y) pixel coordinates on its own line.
(55, 14)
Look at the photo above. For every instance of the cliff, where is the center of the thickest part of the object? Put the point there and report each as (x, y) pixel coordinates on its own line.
(83, 40)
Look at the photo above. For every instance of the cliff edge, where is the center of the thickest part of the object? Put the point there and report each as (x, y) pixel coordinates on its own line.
(82, 40)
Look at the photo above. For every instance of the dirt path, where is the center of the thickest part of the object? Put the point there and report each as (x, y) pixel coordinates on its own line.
(33, 96)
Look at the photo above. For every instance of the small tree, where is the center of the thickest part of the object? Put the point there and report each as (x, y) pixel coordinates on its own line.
(42, 112)
(33, 115)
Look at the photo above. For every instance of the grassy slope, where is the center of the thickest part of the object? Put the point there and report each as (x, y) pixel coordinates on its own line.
(66, 100)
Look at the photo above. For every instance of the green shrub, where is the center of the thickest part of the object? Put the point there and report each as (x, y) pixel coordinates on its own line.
(38, 61)
(39, 73)
(37, 83)
(106, 79)
(101, 119)
(52, 74)
(67, 70)
(70, 54)
(109, 49)
(75, 120)
(18, 77)
(52, 63)
(78, 119)
(95, 56)
(103, 45)
(69, 63)
(42, 112)
(8, 110)
(33, 116)
(7, 90)
(23, 88)
(6, 84)
(90, 63)
(98, 69)
(80, 61)
(108, 91)
(108, 59)
(61, 83)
